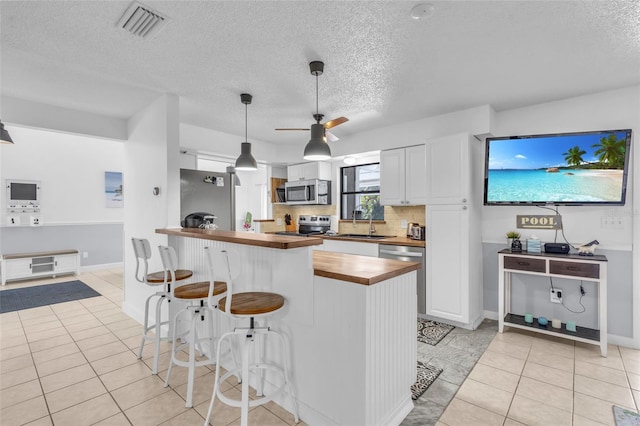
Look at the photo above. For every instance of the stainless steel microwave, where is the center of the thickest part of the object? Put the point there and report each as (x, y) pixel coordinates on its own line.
(308, 192)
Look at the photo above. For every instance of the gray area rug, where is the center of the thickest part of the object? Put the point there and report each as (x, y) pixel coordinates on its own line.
(427, 374)
(432, 332)
(48, 294)
(624, 417)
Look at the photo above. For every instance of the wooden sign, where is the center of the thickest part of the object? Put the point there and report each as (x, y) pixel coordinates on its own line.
(539, 221)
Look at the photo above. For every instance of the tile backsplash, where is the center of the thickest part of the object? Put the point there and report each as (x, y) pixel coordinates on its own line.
(393, 216)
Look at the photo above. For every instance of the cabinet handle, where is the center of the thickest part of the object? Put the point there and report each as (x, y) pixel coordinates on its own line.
(464, 200)
(572, 268)
(55, 263)
(29, 266)
(523, 263)
(464, 207)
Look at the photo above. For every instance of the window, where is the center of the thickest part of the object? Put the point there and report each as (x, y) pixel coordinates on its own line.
(360, 192)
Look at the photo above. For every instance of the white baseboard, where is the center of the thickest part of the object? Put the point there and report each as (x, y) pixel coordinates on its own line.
(90, 268)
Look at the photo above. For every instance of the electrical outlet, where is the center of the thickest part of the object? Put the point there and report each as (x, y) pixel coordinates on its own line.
(278, 221)
(85, 254)
(556, 295)
(403, 224)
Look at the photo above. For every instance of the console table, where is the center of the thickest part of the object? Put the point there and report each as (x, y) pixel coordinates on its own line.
(571, 266)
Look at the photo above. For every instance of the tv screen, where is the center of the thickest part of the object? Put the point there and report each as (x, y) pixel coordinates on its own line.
(23, 191)
(586, 168)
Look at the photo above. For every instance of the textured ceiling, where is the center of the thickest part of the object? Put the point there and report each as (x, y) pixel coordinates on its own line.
(382, 67)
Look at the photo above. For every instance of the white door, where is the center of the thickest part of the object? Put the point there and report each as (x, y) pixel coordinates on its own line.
(447, 262)
(392, 175)
(416, 175)
(448, 170)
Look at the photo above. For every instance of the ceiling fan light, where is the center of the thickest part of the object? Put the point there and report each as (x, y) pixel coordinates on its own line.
(317, 149)
(4, 134)
(246, 161)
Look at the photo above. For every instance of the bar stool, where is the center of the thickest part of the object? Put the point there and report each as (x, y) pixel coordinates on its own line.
(247, 305)
(197, 293)
(142, 251)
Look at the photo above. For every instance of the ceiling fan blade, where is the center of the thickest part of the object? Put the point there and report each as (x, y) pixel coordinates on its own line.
(330, 136)
(335, 122)
(292, 128)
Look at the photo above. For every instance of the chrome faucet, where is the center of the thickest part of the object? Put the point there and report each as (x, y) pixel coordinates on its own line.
(372, 228)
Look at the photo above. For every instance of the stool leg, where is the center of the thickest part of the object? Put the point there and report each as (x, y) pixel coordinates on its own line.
(156, 350)
(173, 349)
(260, 349)
(146, 325)
(192, 360)
(216, 378)
(244, 408)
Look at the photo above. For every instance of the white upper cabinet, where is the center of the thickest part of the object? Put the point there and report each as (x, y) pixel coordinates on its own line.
(403, 176)
(307, 171)
(448, 170)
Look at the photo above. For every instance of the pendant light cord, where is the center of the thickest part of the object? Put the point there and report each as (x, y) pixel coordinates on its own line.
(317, 99)
(246, 138)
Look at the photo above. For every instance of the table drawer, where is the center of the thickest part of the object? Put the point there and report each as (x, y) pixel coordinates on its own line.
(587, 270)
(525, 264)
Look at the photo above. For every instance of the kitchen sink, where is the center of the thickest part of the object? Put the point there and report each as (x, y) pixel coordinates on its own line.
(363, 236)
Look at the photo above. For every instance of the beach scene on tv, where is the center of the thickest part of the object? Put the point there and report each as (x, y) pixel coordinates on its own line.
(574, 168)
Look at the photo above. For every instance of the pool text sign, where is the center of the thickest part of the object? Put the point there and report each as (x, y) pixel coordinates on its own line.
(539, 221)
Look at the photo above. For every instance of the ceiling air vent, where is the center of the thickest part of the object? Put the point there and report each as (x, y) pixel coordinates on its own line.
(142, 21)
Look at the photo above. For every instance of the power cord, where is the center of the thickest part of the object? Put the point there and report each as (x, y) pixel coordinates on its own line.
(582, 294)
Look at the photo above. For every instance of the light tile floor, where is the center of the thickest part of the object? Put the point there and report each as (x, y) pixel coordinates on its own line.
(75, 364)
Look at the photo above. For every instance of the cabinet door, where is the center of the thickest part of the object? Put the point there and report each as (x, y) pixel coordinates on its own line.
(66, 263)
(351, 247)
(447, 262)
(17, 268)
(392, 175)
(416, 175)
(295, 172)
(448, 170)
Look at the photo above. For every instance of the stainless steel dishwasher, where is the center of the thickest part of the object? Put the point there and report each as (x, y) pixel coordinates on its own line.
(409, 254)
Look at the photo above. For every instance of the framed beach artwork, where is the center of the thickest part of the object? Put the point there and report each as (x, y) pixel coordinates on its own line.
(113, 190)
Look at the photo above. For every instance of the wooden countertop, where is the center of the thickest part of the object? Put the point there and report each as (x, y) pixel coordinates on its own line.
(396, 241)
(364, 270)
(248, 238)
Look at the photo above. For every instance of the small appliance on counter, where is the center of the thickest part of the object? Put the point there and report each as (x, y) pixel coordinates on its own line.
(309, 225)
(199, 220)
(410, 229)
(418, 232)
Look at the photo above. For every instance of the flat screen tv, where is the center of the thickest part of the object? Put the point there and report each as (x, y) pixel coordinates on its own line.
(585, 168)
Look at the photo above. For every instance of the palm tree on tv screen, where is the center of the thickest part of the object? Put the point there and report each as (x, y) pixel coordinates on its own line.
(573, 156)
(611, 151)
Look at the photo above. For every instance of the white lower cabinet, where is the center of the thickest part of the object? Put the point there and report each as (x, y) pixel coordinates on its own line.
(350, 247)
(32, 265)
(453, 265)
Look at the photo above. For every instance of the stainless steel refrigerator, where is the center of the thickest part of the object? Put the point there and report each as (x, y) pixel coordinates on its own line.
(209, 192)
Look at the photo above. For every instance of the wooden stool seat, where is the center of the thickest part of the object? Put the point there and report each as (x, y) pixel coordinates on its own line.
(253, 303)
(158, 277)
(199, 290)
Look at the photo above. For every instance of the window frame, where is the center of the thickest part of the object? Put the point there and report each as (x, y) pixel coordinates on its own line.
(343, 193)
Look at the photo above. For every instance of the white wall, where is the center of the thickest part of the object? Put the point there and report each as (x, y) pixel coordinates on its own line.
(74, 213)
(71, 171)
(151, 159)
(615, 109)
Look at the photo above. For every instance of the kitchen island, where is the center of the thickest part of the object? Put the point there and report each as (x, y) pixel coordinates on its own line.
(350, 321)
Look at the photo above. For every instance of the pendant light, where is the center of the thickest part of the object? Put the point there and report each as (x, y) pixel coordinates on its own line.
(317, 148)
(246, 161)
(4, 135)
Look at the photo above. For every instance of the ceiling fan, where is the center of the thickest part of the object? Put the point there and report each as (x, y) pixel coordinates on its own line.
(316, 68)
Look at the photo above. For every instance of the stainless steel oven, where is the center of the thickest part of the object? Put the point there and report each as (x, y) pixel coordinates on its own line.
(308, 192)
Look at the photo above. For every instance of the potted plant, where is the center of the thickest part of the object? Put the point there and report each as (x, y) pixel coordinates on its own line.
(512, 235)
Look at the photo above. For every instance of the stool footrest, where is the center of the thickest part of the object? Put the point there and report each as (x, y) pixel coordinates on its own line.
(253, 402)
